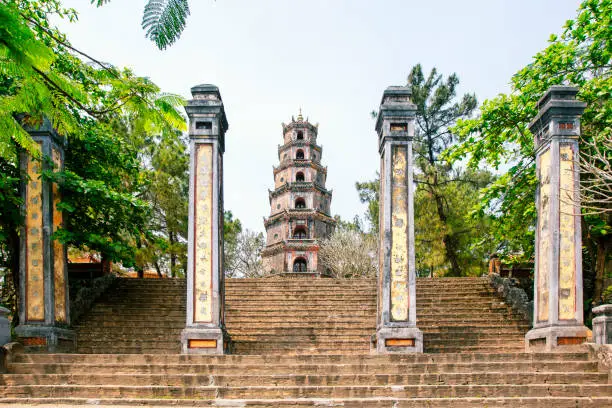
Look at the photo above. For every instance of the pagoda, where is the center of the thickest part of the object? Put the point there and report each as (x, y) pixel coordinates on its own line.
(299, 204)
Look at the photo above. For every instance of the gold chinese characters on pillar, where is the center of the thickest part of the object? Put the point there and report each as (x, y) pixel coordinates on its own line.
(544, 232)
(203, 245)
(35, 284)
(399, 235)
(59, 261)
(567, 229)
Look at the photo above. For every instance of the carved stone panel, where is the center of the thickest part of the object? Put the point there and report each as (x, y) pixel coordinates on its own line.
(59, 256)
(567, 230)
(203, 237)
(35, 285)
(399, 235)
(544, 233)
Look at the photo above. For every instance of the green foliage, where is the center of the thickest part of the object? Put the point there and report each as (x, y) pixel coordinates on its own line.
(231, 229)
(124, 162)
(499, 136)
(443, 193)
(369, 194)
(164, 20)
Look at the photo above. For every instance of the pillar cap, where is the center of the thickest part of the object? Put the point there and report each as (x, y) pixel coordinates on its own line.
(204, 89)
(45, 128)
(396, 104)
(559, 100)
(603, 310)
(207, 101)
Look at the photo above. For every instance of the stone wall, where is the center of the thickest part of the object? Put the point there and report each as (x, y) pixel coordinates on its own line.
(509, 289)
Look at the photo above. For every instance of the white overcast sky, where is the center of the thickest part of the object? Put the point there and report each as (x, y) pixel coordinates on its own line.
(333, 58)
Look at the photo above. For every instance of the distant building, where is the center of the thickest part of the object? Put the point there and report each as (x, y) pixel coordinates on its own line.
(300, 203)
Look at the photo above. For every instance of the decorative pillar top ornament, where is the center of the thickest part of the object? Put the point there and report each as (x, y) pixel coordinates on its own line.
(395, 115)
(558, 116)
(206, 113)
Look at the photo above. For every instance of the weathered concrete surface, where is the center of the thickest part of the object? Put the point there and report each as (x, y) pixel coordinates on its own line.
(514, 296)
(602, 324)
(5, 326)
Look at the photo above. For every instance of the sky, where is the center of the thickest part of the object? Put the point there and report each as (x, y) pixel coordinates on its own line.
(331, 58)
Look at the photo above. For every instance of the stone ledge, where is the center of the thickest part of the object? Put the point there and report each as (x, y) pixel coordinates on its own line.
(603, 354)
(513, 295)
(7, 355)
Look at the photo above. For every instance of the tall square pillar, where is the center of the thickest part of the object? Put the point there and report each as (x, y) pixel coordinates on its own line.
(204, 332)
(558, 314)
(44, 314)
(396, 322)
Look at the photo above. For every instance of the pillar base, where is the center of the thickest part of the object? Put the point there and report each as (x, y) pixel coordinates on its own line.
(50, 339)
(205, 340)
(399, 340)
(602, 324)
(556, 338)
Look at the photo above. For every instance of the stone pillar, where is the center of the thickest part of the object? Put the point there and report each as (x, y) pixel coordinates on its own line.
(5, 327)
(602, 324)
(43, 274)
(396, 322)
(205, 332)
(558, 319)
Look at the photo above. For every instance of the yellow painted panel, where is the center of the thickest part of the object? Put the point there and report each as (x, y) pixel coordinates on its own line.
(59, 261)
(544, 230)
(35, 284)
(203, 246)
(399, 235)
(567, 229)
(399, 342)
(202, 343)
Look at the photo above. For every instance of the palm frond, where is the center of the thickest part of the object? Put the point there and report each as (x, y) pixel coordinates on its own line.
(164, 20)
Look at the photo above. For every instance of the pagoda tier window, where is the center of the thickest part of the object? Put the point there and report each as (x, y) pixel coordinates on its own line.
(300, 265)
(300, 135)
(300, 203)
(299, 155)
(299, 176)
(300, 233)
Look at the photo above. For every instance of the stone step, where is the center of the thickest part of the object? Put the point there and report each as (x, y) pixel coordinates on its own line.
(467, 402)
(285, 367)
(187, 380)
(250, 392)
(410, 358)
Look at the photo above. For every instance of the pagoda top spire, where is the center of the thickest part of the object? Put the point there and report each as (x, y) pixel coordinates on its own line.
(300, 118)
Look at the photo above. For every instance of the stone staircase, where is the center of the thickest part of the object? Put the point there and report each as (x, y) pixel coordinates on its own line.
(301, 316)
(425, 380)
(305, 343)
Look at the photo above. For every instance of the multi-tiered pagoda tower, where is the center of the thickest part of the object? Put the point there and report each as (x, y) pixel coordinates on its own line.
(299, 215)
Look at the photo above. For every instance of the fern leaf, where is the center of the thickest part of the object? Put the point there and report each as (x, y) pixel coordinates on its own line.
(164, 20)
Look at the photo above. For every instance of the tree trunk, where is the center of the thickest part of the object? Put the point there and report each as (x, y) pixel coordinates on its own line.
(172, 255)
(158, 269)
(450, 241)
(600, 267)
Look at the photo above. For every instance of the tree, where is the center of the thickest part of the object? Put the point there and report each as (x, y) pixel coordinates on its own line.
(369, 194)
(245, 261)
(437, 111)
(349, 254)
(444, 230)
(499, 137)
(166, 161)
(162, 20)
(104, 113)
